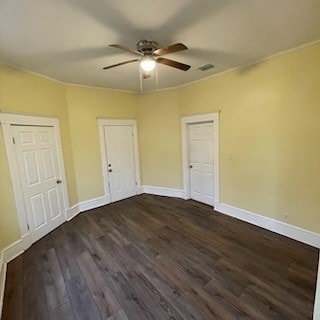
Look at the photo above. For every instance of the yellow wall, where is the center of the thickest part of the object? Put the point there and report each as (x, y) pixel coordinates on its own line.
(160, 139)
(26, 93)
(85, 106)
(269, 124)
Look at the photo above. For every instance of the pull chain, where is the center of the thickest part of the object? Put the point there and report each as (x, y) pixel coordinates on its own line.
(157, 81)
(140, 73)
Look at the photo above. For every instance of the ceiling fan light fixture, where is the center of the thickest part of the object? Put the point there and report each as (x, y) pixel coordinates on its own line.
(147, 64)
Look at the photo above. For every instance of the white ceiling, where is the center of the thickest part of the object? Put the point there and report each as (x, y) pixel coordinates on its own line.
(67, 39)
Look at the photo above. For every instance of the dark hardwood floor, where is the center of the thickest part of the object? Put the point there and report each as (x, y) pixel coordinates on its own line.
(152, 257)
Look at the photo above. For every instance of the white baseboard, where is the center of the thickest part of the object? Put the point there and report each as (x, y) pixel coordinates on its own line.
(16, 248)
(168, 192)
(87, 205)
(299, 234)
(140, 190)
(72, 212)
(94, 203)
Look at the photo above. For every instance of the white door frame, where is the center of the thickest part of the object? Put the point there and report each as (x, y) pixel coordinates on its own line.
(118, 122)
(8, 119)
(185, 122)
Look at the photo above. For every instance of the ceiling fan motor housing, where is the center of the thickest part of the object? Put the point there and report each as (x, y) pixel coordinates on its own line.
(147, 46)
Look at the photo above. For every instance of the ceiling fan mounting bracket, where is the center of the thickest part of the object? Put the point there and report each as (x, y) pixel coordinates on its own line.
(147, 46)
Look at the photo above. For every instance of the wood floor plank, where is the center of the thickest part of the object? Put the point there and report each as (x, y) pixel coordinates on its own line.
(82, 302)
(100, 291)
(53, 280)
(181, 261)
(101, 257)
(138, 241)
(93, 226)
(225, 299)
(120, 315)
(172, 272)
(214, 307)
(74, 236)
(300, 304)
(265, 307)
(158, 279)
(131, 302)
(169, 290)
(13, 303)
(35, 305)
(188, 310)
(62, 312)
(119, 256)
(158, 258)
(67, 260)
(157, 304)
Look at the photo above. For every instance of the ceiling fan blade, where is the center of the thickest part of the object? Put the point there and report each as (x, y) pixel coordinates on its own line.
(119, 46)
(174, 64)
(120, 64)
(170, 49)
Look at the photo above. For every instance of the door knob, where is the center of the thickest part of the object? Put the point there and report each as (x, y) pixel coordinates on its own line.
(110, 170)
(109, 165)
(191, 166)
(59, 181)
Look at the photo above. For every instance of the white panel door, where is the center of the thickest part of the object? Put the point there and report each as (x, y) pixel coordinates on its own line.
(120, 158)
(201, 162)
(36, 153)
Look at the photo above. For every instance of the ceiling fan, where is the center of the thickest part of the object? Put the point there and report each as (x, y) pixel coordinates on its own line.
(149, 54)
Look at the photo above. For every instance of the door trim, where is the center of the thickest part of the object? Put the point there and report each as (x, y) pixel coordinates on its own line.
(8, 119)
(118, 122)
(185, 122)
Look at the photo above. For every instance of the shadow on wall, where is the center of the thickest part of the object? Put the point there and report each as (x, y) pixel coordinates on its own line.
(246, 69)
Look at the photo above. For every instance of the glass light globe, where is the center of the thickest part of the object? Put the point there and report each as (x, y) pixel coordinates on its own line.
(147, 64)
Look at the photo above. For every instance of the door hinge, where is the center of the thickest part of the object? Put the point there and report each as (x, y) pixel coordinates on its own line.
(14, 140)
